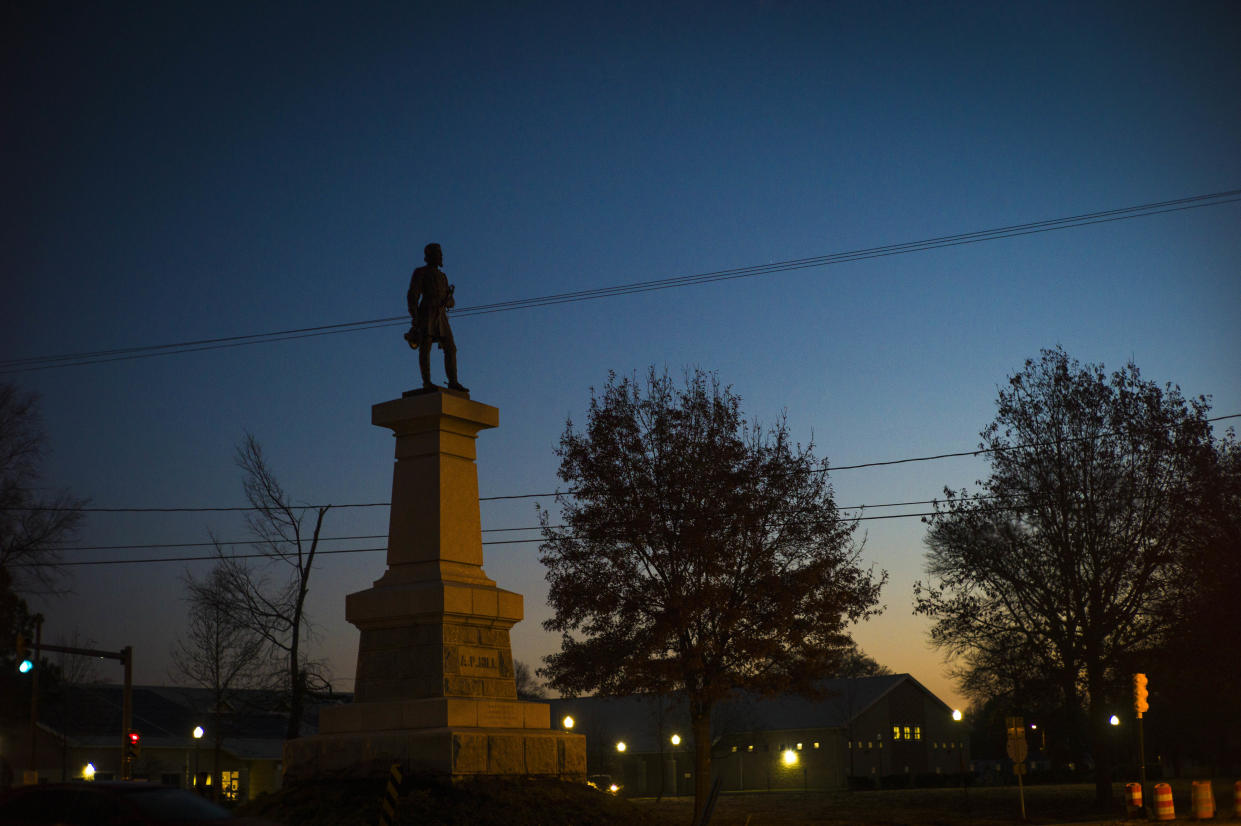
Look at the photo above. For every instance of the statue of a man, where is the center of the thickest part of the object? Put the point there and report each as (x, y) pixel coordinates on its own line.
(429, 298)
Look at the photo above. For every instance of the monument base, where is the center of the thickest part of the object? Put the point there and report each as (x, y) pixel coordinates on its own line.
(457, 752)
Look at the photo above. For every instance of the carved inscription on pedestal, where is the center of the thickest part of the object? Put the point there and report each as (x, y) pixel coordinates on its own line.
(499, 715)
(478, 662)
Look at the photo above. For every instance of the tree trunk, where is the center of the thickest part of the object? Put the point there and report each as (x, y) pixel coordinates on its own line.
(700, 721)
(1100, 735)
(296, 694)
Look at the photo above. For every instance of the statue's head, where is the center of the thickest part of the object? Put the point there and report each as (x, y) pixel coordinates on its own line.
(433, 255)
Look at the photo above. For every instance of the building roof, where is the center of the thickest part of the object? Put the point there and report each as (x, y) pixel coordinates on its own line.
(253, 728)
(644, 722)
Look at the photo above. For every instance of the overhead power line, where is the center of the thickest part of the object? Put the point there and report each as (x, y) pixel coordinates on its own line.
(533, 540)
(1012, 231)
(233, 542)
(211, 557)
(882, 463)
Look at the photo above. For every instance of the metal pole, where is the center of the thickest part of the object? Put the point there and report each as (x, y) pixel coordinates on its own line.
(1142, 761)
(127, 709)
(1021, 794)
(33, 771)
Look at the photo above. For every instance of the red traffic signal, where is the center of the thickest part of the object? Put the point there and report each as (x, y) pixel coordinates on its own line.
(134, 737)
(133, 744)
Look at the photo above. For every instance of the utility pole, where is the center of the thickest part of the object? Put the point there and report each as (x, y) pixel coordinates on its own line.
(31, 776)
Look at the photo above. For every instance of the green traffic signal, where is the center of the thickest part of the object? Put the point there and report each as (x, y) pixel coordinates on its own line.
(24, 663)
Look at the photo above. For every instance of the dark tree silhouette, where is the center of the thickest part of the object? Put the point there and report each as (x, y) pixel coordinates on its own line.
(275, 607)
(700, 554)
(529, 687)
(1195, 669)
(31, 525)
(1060, 566)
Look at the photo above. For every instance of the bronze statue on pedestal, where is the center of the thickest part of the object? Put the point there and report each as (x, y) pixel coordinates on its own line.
(429, 299)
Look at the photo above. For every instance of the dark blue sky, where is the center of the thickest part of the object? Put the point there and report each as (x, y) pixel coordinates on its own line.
(187, 171)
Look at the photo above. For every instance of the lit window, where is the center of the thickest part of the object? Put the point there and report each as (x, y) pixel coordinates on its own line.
(917, 732)
(816, 744)
(799, 746)
(749, 748)
(934, 745)
(734, 749)
(896, 732)
(907, 737)
(869, 744)
(229, 782)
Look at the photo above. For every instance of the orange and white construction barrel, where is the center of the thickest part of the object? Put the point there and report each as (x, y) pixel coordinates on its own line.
(1133, 795)
(1203, 800)
(1164, 810)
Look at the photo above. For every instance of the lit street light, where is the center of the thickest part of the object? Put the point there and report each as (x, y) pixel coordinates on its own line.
(198, 735)
(1114, 720)
(567, 722)
(621, 746)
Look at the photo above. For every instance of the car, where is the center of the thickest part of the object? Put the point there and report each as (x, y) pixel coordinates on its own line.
(603, 782)
(118, 803)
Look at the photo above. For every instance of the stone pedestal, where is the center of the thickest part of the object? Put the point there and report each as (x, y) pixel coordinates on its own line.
(435, 688)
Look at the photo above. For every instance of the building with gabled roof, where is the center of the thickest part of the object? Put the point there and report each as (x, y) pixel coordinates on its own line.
(860, 730)
(84, 727)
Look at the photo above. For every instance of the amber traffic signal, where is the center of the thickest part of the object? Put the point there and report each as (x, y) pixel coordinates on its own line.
(1140, 694)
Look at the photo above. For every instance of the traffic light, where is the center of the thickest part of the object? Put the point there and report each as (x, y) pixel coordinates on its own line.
(24, 663)
(1140, 694)
(133, 748)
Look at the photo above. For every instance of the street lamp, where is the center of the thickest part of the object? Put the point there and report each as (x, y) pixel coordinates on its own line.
(958, 738)
(620, 746)
(198, 735)
(88, 771)
(567, 722)
(675, 739)
(1114, 720)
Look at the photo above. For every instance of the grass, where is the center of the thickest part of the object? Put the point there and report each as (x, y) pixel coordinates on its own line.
(435, 801)
(430, 801)
(980, 806)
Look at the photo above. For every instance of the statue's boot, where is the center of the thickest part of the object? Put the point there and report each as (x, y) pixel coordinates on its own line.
(424, 366)
(450, 367)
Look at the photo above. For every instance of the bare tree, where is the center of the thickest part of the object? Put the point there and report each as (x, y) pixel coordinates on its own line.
(529, 686)
(270, 597)
(31, 526)
(220, 652)
(75, 670)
